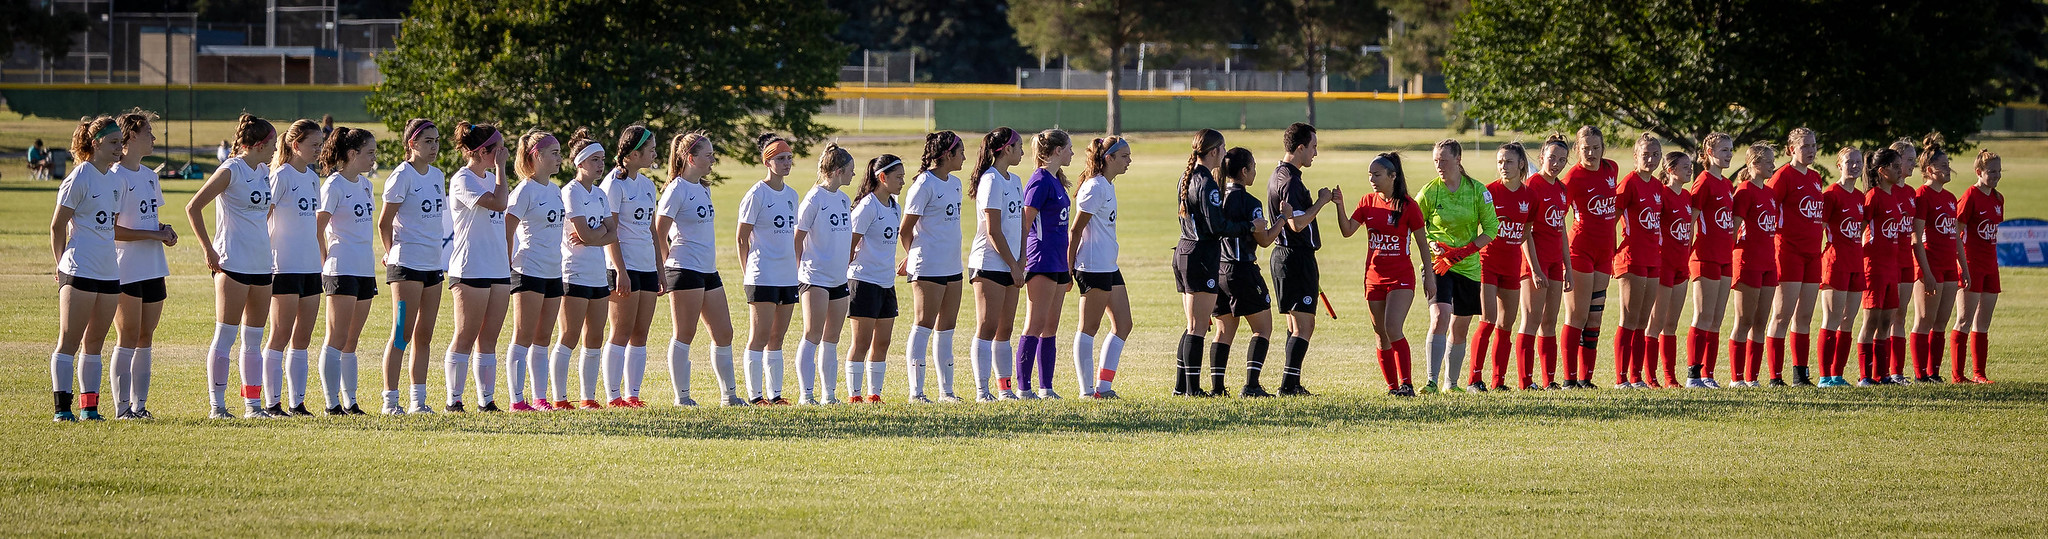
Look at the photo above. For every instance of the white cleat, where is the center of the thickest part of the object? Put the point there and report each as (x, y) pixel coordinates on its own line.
(985, 396)
(221, 412)
(949, 397)
(394, 409)
(1048, 394)
(256, 412)
(422, 408)
(1007, 395)
(919, 399)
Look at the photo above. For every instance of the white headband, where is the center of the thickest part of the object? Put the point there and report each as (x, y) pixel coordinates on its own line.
(588, 151)
(892, 164)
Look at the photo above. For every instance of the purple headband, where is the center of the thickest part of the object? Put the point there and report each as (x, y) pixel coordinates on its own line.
(545, 142)
(496, 138)
(417, 129)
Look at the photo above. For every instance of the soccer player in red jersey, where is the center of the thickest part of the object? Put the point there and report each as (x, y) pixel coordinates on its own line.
(1713, 197)
(1980, 211)
(1798, 187)
(1590, 187)
(1640, 258)
(1756, 273)
(1502, 267)
(1885, 203)
(1934, 253)
(1679, 223)
(1841, 262)
(1545, 276)
(1393, 225)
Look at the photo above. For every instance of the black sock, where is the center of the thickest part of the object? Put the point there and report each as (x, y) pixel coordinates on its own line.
(1297, 349)
(1180, 366)
(1692, 371)
(1254, 360)
(1190, 374)
(62, 399)
(1219, 355)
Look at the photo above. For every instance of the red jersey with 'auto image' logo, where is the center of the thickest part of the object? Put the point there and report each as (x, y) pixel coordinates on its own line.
(1591, 193)
(1799, 194)
(1388, 224)
(1937, 207)
(1890, 220)
(1547, 207)
(1761, 216)
(1980, 213)
(1845, 223)
(1678, 228)
(1642, 208)
(1503, 255)
(1714, 197)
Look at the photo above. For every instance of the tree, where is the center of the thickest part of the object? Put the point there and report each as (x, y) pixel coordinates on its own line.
(960, 41)
(731, 69)
(49, 33)
(1094, 33)
(1859, 72)
(1420, 35)
(1318, 36)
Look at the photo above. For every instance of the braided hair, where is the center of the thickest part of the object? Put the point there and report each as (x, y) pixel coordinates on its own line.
(1206, 140)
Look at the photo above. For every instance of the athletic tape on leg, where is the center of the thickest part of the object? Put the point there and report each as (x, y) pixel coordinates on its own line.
(398, 329)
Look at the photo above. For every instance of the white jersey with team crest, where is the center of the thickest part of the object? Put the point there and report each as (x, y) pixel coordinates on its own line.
(935, 250)
(419, 232)
(874, 261)
(771, 250)
(94, 198)
(537, 245)
(825, 218)
(583, 265)
(241, 222)
(295, 222)
(691, 238)
(633, 199)
(478, 250)
(351, 222)
(1004, 192)
(141, 200)
(1098, 250)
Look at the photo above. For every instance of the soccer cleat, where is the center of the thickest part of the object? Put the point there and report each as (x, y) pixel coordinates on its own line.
(1026, 395)
(256, 412)
(1624, 385)
(1431, 387)
(1532, 387)
(1554, 386)
(337, 410)
(1866, 382)
(220, 412)
(422, 408)
(635, 402)
(685, 400)
(389, 409)
(1638, 385)
(919, 399)
(1778, 382)
(1936, 379)
(300, 410)
(1652, 383)
(808, 400)
(1007, 395)
(984, 396)
(522, 406)
(541, 405)
(1710, 383)
(1295, 391)
(778, 401)
(619, 403)
(1106, 395)
(1219, 393)
(1253, 391)
(1964, 380)
(1046, 393)
(1903, 380)
(732, 400)
(1800, 377)
(1406, 390)
(354, 409)
(1670, 383)
(1831, 382)
(1980, 379)
(65, 416)
(276, 410)
(589, 404)
(874, 399)
(456, 408)
(1695, 383)
(1499, 387)
(141, 414)
(92, 415)
(489, 407)
(948, 397)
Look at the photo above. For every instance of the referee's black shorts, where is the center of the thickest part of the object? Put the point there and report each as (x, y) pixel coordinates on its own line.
(1297, 282)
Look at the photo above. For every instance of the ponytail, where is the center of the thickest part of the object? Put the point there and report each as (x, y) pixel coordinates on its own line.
(334, 153)
(1206, 140)
(1046, 142)
(293, 134)
(251, 132)
(993, 145)
(872, 179)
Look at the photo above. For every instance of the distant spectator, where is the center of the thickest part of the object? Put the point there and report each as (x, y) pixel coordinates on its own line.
(38, 161)
(222, 153)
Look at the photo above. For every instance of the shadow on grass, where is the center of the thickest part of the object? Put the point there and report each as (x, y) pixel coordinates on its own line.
(1189, 416)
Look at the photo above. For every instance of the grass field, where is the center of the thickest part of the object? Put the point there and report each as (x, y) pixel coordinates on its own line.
(1923, 460)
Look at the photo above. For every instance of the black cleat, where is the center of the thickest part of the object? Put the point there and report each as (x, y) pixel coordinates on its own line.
(1295, 391)
(1220, 393)
(1252, 391)
(1800, 377)
(1533, 387)
(1500, 387)
(1555, 387)
(1406, 390)
(491, 406)
(336, 410)
(1937, 379)
(456, 408)
(277, 410)
(355, 410)
(1777, 382)
(300, 410)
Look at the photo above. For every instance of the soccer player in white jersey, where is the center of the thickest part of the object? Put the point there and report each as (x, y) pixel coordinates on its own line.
(633, 264)
(479, 267)
(239, 258)
(997, 261)
(690, 267)
(824, 230)
(931, 235)
(536, 217)
(347, 221)
(593, 227)
(872, 274)
(82, 234)
(139, 241)
(411, 228)
(766, 238)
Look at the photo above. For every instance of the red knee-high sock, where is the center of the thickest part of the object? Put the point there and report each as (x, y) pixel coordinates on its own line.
(1980, 349)
(1643, 361)
(1569, 346)
(1827, 353)
(1756, 360)
(1880, 359)
(1845, 346)
(1670, 345)
(1695, 346)
(1546, 346)
(1501, 348)
(1525, 360)
(1959, 340)
(1589, 353)
(1476, 358)
(1935, 353)
(1920, 360)
(1774, 351)
(1898, 345)
(1737, 359)
(1713, 355)
(1387, 369)
(1401, 360)
(1624, 354)
(1802, 349)
(1866, 360)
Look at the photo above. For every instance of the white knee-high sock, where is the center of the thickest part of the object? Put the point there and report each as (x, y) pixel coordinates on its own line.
(217, 360)
(1005, 360)
(636, 369)
(330, 375)
(721, 365)
(539, 363)
(614, 370)
(679, 369)
(1084, 361)
(89, 374)
(273, 375)
(828, 367)
(856, 375)
(943, 347)
(456, 371)
(920, 337)
(252, 365)
(591, 366)
(877, 372)
(754, 375)
(773, 360)
(983, 350)
(1438, 345)
(806, 365)
(61, 372)
(139, 388)
(1454, 360)
(1112, 352)
(520, 361)
(298, 370)
(558, 361)
(123, 375)
(349, 379)
(487, 377)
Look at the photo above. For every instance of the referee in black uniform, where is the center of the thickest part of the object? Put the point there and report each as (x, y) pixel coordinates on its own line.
(1296, 280)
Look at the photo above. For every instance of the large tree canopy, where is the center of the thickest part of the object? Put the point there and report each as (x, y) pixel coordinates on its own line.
(731, 69)
(957, 41)
(35, 26)
(1858, 71)
(1317, 36)
(1094, 33)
